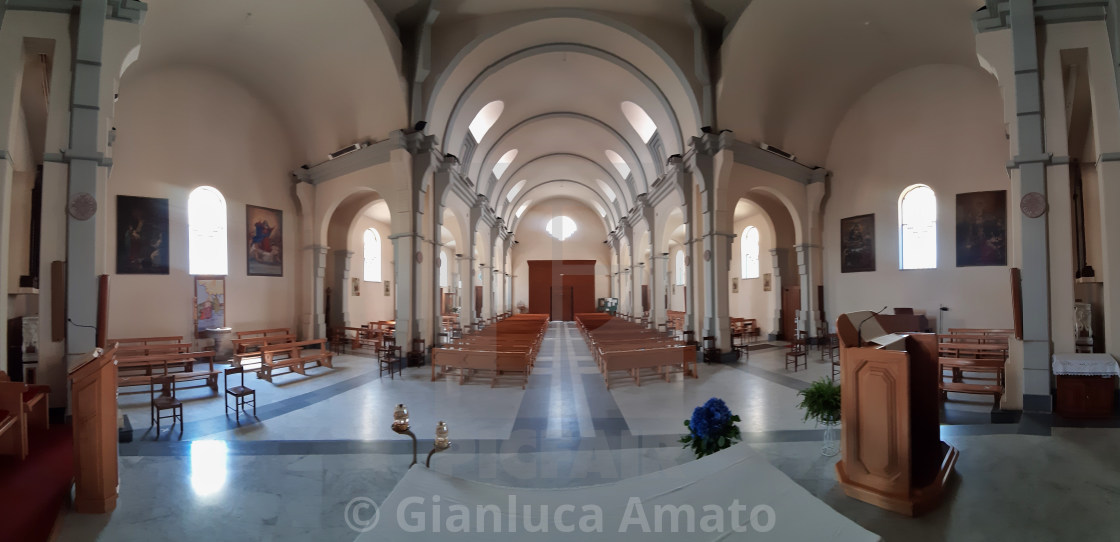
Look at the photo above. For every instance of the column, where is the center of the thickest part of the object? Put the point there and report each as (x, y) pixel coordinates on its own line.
(1033, 239)
(405, 271)
(808, 257)
(315, 256)
(777, 259)
(340, 308)
(717, 258)
(657, 288)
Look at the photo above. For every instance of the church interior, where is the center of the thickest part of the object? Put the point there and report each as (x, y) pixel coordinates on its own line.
(260, 257)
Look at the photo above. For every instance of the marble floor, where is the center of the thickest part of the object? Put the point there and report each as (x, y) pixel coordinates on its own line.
(321, 441)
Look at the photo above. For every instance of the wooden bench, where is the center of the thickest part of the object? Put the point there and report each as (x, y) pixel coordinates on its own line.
(157, 365)
(245, 349)
(996, 390)
(142, 341)
(25, 406)
(258, 333)
(508, 346)
(495, 362)
(291, 356)
(617, 345)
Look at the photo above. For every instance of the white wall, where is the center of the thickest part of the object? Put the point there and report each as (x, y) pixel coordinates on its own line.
(373, 305)
(180, 128)
(752, 301)
(940, 125)
(534, 243)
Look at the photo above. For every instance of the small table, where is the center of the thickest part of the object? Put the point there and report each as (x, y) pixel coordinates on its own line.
(1086, 384)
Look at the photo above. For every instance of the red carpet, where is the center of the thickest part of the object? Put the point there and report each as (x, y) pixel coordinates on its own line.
(32, 491)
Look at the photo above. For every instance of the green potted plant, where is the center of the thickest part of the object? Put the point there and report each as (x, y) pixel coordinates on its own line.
(821, 402)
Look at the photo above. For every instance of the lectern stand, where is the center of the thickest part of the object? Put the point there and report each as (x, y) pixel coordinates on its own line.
(893, 456)
(93, 394)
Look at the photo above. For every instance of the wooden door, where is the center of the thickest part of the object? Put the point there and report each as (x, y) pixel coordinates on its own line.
(562, 303)
(478, 302)
(791, 304)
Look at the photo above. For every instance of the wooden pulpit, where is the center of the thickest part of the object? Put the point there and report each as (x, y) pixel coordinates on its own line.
(93, 396)
(892, 453)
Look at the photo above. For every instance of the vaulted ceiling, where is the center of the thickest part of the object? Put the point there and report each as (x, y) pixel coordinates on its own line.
(341, 71)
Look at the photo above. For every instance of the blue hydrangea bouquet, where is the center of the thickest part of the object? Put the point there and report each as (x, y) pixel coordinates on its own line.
(711, 428)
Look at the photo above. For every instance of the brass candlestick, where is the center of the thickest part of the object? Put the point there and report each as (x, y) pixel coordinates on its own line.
(441, 443)
(401, 427)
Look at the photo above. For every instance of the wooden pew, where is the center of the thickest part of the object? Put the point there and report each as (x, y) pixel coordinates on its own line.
(294, 358)
(508, 346)
(141, 341)
(25, 406)
(257, 333)
(622, 346)
(141, 370)
(248, 348)
(974, 350)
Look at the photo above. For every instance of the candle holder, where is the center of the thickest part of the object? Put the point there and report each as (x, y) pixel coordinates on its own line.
(401, 427)
(441, 443)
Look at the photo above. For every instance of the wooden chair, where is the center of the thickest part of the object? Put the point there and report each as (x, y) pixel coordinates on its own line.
(242, 395)
(832, 347)
(165, 401)
(387, 356)
(797, 354)
(711, 351)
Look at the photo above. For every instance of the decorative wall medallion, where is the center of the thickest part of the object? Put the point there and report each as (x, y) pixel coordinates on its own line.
(1033, 205)
(419, 257)
(82, 206)
(707, 255)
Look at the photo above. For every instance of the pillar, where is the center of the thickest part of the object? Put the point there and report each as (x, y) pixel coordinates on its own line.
(777, 259)
(340, 308)
(315, 257)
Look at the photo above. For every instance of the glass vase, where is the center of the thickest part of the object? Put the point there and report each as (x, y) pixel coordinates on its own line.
(831, 443)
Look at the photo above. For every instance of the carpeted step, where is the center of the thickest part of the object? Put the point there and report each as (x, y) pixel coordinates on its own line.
(33, 491)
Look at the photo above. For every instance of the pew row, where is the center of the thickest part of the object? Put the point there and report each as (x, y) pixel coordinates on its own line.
(294, 358)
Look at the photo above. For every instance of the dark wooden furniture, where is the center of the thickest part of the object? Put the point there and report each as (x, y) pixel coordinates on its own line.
(242, 394)
(387, 358)
(294, 358)
(798, 354)
(27, 405)
(1086, 385)
(893, 456)
(166, 400)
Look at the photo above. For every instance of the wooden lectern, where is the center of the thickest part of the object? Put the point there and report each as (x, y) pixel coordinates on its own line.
(93, 396)
(892, 453)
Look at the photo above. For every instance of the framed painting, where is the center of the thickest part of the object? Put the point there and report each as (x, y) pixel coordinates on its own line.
(982, 228)
(209, 303)
(388, 288)
(355, 286)
(265, 246)
(857, 244)
(734, 285)
(142, 240)
(766, 287)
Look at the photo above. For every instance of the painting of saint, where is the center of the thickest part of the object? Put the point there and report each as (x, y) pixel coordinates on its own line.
(265, 243)
(142, 226)
(857, 244)
(982, 228)
(209, 303)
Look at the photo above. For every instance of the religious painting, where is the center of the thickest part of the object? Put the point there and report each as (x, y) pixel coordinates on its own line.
(142, 241)
(265, 245)
(387, 288)
(355, 286)
(857, 244)
(766, 287)
(982, 228)
(209, 303)
(734, 285)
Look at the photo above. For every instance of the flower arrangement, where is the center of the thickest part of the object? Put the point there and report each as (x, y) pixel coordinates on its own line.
(711, 428)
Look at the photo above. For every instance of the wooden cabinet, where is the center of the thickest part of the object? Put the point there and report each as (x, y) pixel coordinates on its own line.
(1085, 396)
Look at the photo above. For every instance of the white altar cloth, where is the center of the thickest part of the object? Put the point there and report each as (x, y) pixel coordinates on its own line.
(1085, 365)
(768, 504)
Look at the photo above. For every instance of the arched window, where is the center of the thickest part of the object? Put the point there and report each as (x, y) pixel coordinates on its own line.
(749, 250)
(206, 224)
(679, 267)
(504, 162)
(639, 120)
(516, 188)
(561, 227)
(618, 163)
(917, 228)
(486, 118)
(443, 270)
(606, 190)
(371, 245)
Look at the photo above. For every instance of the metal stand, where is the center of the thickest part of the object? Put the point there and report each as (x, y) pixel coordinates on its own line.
(407, 431)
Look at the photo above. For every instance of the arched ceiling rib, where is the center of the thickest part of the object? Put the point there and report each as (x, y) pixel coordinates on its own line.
(560, 189)
(566, 166)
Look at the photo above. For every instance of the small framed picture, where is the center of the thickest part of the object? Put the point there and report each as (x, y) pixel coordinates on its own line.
(766, 282)
(734, 285)
(388, 288)
(355, 286)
